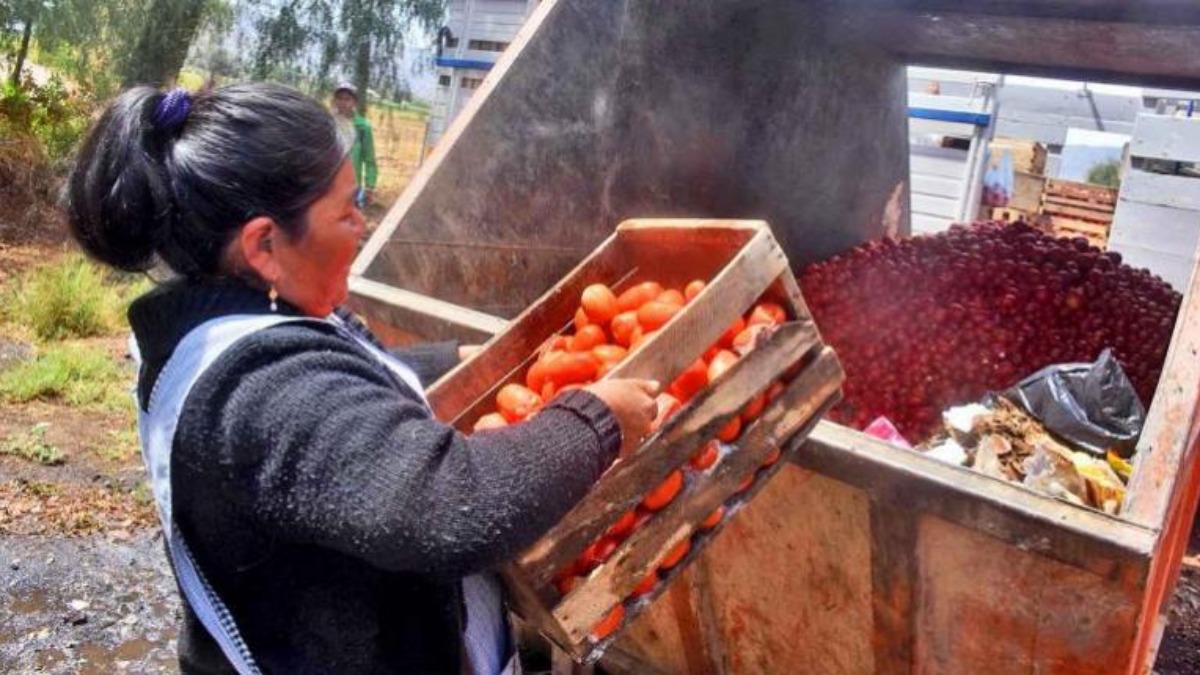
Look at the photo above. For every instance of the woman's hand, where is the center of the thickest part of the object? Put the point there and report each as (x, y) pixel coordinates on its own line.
(632, 403)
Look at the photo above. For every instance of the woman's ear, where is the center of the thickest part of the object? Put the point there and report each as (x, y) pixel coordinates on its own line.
(255, 245)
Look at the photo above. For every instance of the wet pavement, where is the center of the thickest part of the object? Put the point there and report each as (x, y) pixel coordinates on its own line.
(89, 605)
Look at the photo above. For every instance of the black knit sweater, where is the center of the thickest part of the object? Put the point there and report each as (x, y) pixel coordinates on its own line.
(329, 511)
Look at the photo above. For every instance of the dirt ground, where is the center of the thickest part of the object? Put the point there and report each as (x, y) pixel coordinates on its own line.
(84, 583)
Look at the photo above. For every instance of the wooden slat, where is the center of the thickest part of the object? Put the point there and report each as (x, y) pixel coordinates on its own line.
(938, 186)
(1171, 138)
(1167, 433)
(1161, 228)
(796, 410)
(1176, 192)
(945, 162)
(622, 487)
(1081, 226)
(1067, 208)
(1082, 191)
(944, 207)
(437, 310)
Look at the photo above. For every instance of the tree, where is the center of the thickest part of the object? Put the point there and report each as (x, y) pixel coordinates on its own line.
(27, 13)
(167, 33)
(314, 40)
(1106, 173)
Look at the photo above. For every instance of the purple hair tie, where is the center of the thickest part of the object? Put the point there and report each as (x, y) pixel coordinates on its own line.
(172, 111)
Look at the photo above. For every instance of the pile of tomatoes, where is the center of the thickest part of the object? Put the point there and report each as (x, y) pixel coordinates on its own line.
(608, 326)
(927, 323)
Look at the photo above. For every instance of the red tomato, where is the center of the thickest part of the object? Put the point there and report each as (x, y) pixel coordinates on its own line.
(535, 377)
(731, 431)
(668, 405)
(623, 527)
(611, 354)
(641, 518)
(566, 584)
(597, 552)
(720, 363)
(516, 402)
(571, 368)
(554, 343)
(654, 314)
(705, 457)
(645, 586)
(490, 421)
(549, 390)
(746, 483)
(675, 554)
(772, 457)
(754, 408)
(638, 295)
(604, 369)
(623, 326)
(586, 338)
(690, 381)
(665, 492)
(599, 303)
(738, 326)
(767, 313)
(671, 297)
(693, 289)
(581, 319)
(713, 518)
(565, 579)
(609, 624)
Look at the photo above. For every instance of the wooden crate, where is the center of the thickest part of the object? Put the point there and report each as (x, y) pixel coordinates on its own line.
(1095, 233)
(1009, 214)
(742, 263)
(1027, 191)
(1028, 156)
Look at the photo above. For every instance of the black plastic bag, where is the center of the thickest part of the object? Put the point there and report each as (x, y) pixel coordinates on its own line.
(1091, 405)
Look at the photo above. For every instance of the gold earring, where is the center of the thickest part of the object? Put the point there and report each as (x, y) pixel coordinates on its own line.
(273, 295)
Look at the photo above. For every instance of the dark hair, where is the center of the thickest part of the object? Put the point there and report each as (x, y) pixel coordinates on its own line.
(143, 190)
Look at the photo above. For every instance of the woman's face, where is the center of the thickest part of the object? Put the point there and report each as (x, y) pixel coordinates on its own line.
(315, 267)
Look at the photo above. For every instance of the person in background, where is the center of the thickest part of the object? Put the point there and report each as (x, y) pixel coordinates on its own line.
(317, 517)
(355, 128)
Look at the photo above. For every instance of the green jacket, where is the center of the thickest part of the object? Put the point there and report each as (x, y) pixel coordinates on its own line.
(362, 153)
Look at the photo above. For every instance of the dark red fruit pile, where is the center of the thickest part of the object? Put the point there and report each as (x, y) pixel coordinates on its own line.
(935, 321)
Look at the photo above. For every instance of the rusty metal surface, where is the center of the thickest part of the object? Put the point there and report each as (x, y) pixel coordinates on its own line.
(987, 607)
(1139, 42)
(604, 111)
(789, 587)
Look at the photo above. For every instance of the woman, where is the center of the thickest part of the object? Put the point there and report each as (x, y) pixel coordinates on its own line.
(318, 519)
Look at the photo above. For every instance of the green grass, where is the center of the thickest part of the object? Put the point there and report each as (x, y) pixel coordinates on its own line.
(68, 299)
(121, 445)
(143, 494)
(33, 446)
(75, 374)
